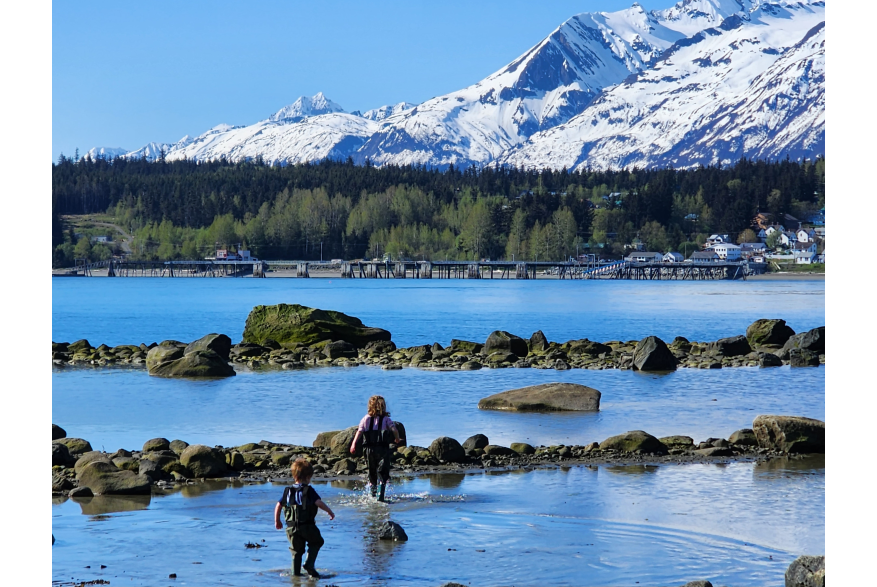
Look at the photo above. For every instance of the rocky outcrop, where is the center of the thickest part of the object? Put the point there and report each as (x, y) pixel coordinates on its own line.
(806, 571)
(197, 364)
(163, 354)
(104, 478)
(768, 331)
(790, 434)
(652, 354)
(292, 324)
(635, 441)
(447, 449)
(585, 347)
(500, 340)
(203, 461)
(218, 343)
(769, 360)
(547, 397)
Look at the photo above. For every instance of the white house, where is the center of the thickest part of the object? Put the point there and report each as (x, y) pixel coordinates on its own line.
(804, 257)
(809, 247)
(703, 257)
(727, 251)
(673, 257)
(645, 257)
(805, 235)
(718, 238)
(788, 238)
(753, 249)
(773, 228)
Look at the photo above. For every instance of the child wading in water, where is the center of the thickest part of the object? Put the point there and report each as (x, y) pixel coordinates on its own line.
(377, 430)
(299, 506)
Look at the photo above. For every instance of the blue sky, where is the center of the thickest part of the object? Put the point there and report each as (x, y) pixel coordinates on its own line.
(125, 73)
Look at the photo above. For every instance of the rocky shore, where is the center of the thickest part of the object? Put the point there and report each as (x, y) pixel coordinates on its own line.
(77, 470)
(297, 337)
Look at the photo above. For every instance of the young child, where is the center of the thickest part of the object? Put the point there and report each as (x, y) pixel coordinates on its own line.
(299, 506)
(376, 428)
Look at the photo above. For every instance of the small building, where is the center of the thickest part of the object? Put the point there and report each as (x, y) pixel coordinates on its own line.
(749, 249)
(805, 235)
(718, 238)
(788, 238)
(645, 257)
(809, 247)
(100, 239)
(673, 257)
(804, 258)
(703, 257)
(727, 251)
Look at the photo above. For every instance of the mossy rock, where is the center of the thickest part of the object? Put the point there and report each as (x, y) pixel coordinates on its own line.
(75, 445)
(522, 448)
(249, 446)
(324, 439)
(234, 460)
(127, 463)
(203, 461)
(162, 354)
(495, 450)
(546, 397)
(80, 346)
(105, 478)
(635, 441)
(465, 346)
(218, 343)
(340, 443)
(197, 364)
(155, 444)
(768, 331)
(178, 446)
(676, 441)
(294, 323)
(281, 459)
(791, 434)
(470, 366)
(744, 437)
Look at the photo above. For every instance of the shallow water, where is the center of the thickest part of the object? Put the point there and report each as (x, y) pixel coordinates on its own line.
(134, 310)
(737, 524)
(115, 408)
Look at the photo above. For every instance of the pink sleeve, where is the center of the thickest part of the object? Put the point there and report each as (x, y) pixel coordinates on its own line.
(363, 423)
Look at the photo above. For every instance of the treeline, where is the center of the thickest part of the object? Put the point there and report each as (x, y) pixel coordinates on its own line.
(183, 209)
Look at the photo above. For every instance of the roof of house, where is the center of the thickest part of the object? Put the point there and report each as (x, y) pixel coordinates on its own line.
(675, 254)
(727, 245)
(646, 254)
(799, 254)
(703, 255)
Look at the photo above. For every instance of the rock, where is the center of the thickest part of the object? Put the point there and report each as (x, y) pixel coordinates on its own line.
(324, 439)
(345, 466)
(392, 531)
(381, 347)
(812, 340)
(546, 397)
(465, 346)
(79, 346)
(156, 444)
(769, 360)
(586, 347)
(766, 331)
(218, 343)
(152, 469)
(806, 571)
(178, 446)
(500, 340)
(60, 483)
(538, 342)
(162, 354)
(495, 450)
(293, 323)
(561, 365)
(60, 455)
(470, 366)
(698, 584)
(340, 349)
(792, 434)
(447, 449)
(634, 441)
(74, 445)
(714, 451)
(522, 448)
(744, 437)
(497, 357)
(734, 346)
(126, 463)
(89, 457)
(651, 354)
(234, 460)
(196, 364)
(202, 460)
(81, 491)
(803, 358)
(476, 441)
(104, 478)
(340, 443)
(58, 432)
(683, 442)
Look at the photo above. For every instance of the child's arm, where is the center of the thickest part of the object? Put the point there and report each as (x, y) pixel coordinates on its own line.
(319, 503)
(355, 440)
(277, 523)
(396, 433)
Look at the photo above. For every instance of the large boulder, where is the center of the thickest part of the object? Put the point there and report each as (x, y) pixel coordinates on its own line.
(218, 343)
(652, 354)
(156, 444)
(545, 397)
(338, 349)
(500, 340)
(586, 347)
(803, 358)
(792, 434)
(768, 331)
(806, 571)
(194, 364)
(812, 340)
(476, 441)
(538, 342)
(293, 323)
(769, 360)
(162, 354)
(79, 346)
(60, 455)
(324, 439)
(447, 449)
(105, 478)
(58, 432)
(635, 441)
(76, 446)
(89, 457)
(743, 437)
(203, 461)
(178, 446)
(465, 346)
(340, 443)
(733, 346)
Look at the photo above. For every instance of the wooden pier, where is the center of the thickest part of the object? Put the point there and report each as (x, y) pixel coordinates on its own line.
(201, 268)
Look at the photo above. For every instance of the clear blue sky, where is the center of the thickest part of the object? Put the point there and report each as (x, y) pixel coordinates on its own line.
(126, 73)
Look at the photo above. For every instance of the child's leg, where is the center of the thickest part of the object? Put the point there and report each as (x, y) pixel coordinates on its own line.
(315, 542)
(372, 459)
(297, 546)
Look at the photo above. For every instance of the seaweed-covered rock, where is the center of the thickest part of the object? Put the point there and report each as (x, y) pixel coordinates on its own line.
(465, 346)
(74, 445)
(178, 446)
(195, 364)
(677, 441)
(546, 397)
(495, 450)
(447, 449)
(806, 571)
(203, 461)
(470, 366)
(218, 343)
(635, 441)
(522, 448)
(538, 342)
(105, 478)
(768, 331)
(792, 434)
(293, 323)
(79, 346)
(500, 340)
(803, 358)
(585, 347)
(156, 444)
(652, 354)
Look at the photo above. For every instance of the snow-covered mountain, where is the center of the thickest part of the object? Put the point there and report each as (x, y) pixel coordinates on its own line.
(704, 81)
(106, 152)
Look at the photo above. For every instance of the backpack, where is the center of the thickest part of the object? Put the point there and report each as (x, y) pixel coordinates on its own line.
(297, 508)
(374, 437)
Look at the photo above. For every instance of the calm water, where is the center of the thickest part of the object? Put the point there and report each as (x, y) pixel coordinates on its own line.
(738, 524)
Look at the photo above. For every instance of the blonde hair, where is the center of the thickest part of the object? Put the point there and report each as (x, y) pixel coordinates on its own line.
(377, 406)
(301, 470)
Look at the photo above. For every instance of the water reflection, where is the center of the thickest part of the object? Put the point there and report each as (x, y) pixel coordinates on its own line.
(446, 480)
(632, 469)
(110, 504)
(790, 466)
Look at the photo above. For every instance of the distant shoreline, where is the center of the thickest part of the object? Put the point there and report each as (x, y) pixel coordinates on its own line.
(788, 276)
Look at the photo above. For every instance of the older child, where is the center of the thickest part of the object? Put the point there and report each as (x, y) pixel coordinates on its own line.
(299, 505)
(376, 429)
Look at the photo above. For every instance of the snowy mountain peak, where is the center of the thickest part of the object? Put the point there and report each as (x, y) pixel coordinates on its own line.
(105, 152)
(304, 106)
(379, 114)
